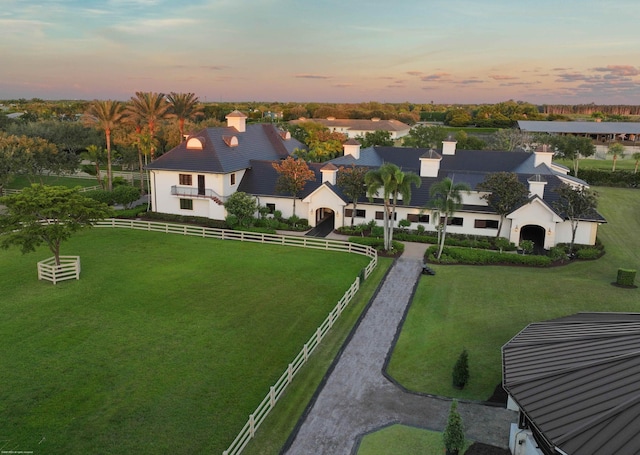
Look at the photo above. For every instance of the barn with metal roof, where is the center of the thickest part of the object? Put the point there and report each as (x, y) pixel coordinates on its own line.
(576, 383)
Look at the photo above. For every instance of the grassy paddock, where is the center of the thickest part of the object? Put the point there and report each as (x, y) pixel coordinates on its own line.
(20, 181)
(481, 308)
(165, 345)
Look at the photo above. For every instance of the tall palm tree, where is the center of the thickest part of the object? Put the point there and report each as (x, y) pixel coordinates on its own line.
(148, 108)
(105, 115)
(395, 185)
(446, 199)
(183, 106)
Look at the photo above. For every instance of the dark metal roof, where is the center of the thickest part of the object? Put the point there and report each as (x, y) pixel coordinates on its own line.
(577, 379)
(258, 142)
(579, 127)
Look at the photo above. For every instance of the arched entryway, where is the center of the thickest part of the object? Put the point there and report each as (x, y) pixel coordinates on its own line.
(325, 222)
(534, 233)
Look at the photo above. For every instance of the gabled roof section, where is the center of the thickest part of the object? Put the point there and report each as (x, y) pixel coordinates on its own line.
(578, 381)
(219, 154)
(332, 189)
(261, 179)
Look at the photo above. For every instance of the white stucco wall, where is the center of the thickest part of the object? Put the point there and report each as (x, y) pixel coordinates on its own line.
(521, 442)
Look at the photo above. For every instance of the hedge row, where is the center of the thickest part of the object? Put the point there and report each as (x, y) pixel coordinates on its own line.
(599, 177)
(378, 244)
(483, 257)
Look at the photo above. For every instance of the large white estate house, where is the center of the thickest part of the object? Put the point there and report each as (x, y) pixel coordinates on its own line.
(196, 178)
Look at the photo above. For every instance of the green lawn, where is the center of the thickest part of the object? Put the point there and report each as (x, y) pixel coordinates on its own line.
(481, 308)
(403, 440)
(165, 345)
(20, 181)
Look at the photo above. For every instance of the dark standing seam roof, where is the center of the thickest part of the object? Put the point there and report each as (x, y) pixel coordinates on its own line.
(578, 381)
(258, 142)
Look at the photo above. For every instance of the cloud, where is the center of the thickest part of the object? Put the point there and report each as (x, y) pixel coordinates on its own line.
(311, 76)
(516, 84)
(387, 77)
(571, 77)
(214, 67)
(470, 81)
(396, 86)
(560, 69)
(619, 70)
(439, 77)
(414, 73)
(343, 85)
(146, 26)
(502, 77)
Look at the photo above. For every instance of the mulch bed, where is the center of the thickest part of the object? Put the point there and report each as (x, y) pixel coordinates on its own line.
(478, 448)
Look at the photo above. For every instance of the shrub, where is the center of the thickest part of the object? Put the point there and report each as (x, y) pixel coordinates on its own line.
(232, 221)
(502, 243)
(404, 223)
(453, 436)
(197, 220)
(527, 246)
(130, 213)
(103, 196)
(557, 253)
(626, 277)
(377, 231)
(125, 195)
(420, 229)
(588, 253)
(461, 370)
(452, 255)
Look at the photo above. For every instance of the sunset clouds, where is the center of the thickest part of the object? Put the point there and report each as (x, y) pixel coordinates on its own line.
(297, 50)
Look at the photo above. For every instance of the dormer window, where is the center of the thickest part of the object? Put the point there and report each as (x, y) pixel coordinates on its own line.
(231, 141)
(195, 143)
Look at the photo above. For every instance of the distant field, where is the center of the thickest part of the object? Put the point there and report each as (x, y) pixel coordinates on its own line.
(605, 165)
(165, 345)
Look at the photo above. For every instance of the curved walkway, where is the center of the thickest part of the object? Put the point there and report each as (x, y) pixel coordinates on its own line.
(356, 398)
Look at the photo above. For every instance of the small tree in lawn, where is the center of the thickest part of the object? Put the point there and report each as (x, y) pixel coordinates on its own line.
(351, 182)
(505, 193)
(47, 214)
(460, 373)
(453, 436)
(616, 149)
(575, 204)
(243, 206)
(294, 175)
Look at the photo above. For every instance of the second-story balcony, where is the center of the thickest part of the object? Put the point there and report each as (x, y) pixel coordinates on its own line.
(191, 192)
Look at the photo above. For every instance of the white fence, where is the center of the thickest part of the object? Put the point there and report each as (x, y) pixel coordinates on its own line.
(69, 269)
(277, 390)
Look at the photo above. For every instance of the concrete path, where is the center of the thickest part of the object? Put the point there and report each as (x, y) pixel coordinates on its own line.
(357, 398)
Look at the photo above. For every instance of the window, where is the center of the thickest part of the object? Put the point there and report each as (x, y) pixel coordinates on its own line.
(233, 179)
(380, 216)
(185, 179)
(454, 221)
(271, 207)
(186, 204)
(348, 213)
(486, 224)
(417, 218)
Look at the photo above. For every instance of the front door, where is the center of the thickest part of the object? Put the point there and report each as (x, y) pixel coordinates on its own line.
(201, 185)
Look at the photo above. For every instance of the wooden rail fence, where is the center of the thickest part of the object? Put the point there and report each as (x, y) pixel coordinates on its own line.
(277, 390)
(69, 269)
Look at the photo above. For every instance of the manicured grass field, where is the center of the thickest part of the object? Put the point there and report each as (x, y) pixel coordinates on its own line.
(20, 181)
(165, 345)
(481, 308)
(605, 165)
(400, 439)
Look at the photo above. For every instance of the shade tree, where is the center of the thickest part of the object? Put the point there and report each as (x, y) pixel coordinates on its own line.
(351, 180)
(504, 193)
(293, 174)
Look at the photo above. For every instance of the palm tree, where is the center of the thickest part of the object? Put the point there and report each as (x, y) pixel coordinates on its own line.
(615, 149)
(394, 184)
(183, 106)
(105, 115)
(636, 156)
(148, 108)
(446, 200)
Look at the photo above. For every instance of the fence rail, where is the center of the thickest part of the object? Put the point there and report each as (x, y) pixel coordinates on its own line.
(69, 269)
(277, 390)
